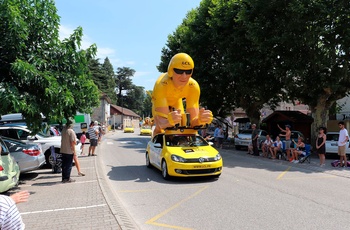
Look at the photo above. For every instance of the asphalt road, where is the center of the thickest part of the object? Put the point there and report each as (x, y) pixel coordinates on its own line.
(252, 192)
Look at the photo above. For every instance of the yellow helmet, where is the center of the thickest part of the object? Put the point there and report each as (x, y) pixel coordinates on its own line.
(180, 61)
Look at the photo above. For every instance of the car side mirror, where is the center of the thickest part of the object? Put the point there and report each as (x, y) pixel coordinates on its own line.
(210, 143)
(157, 145)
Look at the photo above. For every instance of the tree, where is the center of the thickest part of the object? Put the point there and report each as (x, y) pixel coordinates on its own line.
(251, 52)
(228, 68)
(135, 98)
(147, 105)
(123, 81)
(38, 72)
(109, 83)
(308, 42)
(103, 76)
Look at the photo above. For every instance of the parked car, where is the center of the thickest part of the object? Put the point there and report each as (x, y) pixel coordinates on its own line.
(183, 153)
(332, 143)
(29, 156)
(146, 130)
(128, 129)
(244, 138)
(24, 134)
(9, 169)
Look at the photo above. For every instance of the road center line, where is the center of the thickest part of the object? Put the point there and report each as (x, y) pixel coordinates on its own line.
(282, 174)
(155, 218)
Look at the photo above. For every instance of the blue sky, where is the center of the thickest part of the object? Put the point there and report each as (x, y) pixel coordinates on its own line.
(131, 33)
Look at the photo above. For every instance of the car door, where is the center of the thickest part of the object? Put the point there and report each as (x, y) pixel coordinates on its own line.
(332, 143)
(156, 150)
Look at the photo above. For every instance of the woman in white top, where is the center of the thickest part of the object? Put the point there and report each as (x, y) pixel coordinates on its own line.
(277, 146)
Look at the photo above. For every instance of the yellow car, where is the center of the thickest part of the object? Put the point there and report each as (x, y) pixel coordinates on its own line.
(128, 129)
(146, 130)
(183, 153)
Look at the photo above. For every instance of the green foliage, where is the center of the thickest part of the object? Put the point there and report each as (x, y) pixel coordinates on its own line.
(249, 53)
(123, 81)
(147, 105)
(38, 72)
(103, 77)
(134, 99)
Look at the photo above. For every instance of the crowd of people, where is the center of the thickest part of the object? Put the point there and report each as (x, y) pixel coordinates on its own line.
(276, 149)
(295, 150)
(68, 142)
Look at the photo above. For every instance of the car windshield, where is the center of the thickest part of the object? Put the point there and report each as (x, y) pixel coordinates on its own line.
(187, 140)
(146, 127)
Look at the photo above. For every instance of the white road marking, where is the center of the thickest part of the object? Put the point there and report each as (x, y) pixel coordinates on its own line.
(64, 209)
(59, 183)
(131, 142)
(109, 143)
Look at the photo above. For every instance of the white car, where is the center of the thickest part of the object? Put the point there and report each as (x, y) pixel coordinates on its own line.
(244, 138)
(332, 143)
(24, 134)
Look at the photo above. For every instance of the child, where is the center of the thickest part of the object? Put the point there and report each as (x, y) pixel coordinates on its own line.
(82, 140)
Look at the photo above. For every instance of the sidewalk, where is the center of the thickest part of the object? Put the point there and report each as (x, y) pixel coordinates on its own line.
(88, 203)
(312, 166)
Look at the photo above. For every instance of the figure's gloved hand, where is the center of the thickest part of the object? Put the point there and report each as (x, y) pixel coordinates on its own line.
(205, 116)
(174, 117)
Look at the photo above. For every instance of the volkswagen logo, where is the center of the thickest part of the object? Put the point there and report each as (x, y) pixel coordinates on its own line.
(201, 159)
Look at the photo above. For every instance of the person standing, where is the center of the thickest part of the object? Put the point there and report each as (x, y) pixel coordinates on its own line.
(68, 142)
(82, 141)
(93, 136)
(321, 145)
(255, 136)
(10, 217)
(288, 139)
(342, 142)
(216, 135)
(221, 137)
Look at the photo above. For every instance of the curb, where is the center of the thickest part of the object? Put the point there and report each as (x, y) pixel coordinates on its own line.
(121, 215)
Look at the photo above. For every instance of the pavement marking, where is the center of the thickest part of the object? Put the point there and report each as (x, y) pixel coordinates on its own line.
(58, 183)
(110, 143)
(64, 209)
(131, 142)
(282, 174)
(155, 218)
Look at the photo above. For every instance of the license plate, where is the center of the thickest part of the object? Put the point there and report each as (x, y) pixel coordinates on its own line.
(201, 166)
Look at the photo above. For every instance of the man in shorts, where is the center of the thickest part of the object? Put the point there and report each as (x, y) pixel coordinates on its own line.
(342, 143)
(288, 139)
(93, 136)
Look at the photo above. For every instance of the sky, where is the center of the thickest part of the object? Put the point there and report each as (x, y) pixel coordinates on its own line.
(131, 33)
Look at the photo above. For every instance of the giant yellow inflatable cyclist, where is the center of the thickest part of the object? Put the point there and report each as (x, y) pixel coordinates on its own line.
(169, 91)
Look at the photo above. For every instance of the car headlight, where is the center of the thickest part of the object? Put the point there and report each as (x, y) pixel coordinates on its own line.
(176, 158)
(217, 157)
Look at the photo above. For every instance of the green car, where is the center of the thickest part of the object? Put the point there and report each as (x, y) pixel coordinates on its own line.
(9, 169)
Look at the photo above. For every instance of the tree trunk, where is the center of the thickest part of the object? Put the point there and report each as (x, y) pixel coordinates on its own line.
(320, 113)
(253, 113)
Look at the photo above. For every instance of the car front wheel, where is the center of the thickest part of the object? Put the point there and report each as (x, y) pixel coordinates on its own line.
(165, 170)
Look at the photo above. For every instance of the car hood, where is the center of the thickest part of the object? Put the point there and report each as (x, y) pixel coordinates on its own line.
(244, 136)
(194, 152)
